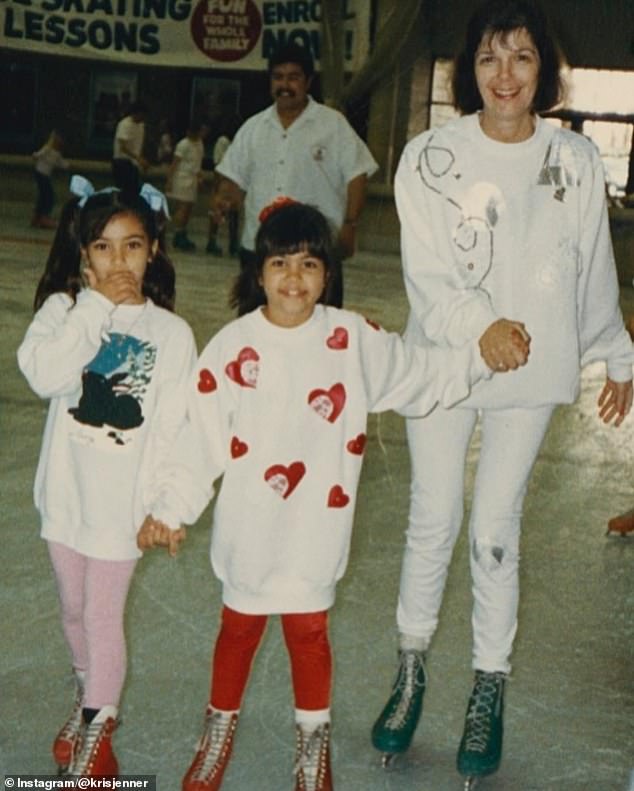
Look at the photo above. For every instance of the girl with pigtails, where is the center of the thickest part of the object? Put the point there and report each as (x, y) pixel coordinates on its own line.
(106, 350)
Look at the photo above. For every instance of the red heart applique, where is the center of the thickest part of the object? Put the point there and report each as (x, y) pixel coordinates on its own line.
(244, 369)
(206, 381)
(283, 480)
(338, 339)
(357, 445)
(373, 324)
(238, 448)
(337, 498)
(328, 403)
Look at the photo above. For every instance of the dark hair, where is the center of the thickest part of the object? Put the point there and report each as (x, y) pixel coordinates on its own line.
(293, 53)
(502, 17)
(289, 229)
(78, 226)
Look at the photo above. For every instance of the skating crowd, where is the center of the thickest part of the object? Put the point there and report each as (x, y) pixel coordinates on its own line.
(511, 282)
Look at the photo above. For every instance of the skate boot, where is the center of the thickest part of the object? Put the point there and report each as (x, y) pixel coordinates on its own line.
(393, 731)
(480, 750)
(312, 759)
(623, 524)
(93, 754)
(64, 743)
(212, 752)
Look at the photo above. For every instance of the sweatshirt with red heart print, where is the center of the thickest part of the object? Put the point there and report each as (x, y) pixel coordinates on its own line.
(281, 414)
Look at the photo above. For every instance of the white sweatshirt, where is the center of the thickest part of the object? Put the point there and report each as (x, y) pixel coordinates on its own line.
(517, 231)
(116, 377)
(282, 414)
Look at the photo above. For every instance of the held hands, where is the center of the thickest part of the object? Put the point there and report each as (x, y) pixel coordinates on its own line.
(615, 401)
(505, 345)
(154, 533)
(120, 287)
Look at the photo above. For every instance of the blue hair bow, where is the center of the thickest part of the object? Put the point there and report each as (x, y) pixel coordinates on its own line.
(80, 186)
(154, 198)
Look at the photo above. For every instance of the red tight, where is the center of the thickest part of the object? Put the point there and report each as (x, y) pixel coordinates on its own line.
(306, 637)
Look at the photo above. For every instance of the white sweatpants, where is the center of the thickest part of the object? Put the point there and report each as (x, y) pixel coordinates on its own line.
(438, 445)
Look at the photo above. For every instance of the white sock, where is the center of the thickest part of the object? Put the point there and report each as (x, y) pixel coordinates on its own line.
(411, 642)
(310, 720)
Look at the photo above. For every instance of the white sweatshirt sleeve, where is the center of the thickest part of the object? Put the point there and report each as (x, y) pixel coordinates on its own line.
(61, 340)
(601, 329)
(411, 379)
(168, 498)
(448, 313)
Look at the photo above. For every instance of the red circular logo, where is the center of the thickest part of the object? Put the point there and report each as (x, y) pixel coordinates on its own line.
(226, 30)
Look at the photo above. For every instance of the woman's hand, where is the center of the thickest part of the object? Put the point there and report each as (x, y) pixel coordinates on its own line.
(154, 533)
(615, 401)
(505, 345)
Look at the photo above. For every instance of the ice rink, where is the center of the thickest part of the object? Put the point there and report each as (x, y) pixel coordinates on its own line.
(569, 703)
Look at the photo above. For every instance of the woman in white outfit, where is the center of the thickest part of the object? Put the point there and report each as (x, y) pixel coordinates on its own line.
(505, 238)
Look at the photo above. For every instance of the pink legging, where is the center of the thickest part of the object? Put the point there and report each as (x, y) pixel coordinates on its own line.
(306, 637)
(92, 595)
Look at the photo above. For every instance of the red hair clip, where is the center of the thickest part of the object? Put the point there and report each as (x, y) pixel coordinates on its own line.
(272, 207)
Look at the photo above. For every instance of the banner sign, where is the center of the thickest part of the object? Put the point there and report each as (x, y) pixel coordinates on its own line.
(228, 34)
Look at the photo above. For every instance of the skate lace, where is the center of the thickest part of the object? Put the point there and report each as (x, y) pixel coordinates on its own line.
(213, 744)
(311, 757)
(70, 728)
(90, 736)
(481, 708)
(407, 683)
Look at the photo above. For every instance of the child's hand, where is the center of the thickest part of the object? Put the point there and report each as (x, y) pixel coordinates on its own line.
(615, 401)
(505, 345)
(154, 533)
(120, 287)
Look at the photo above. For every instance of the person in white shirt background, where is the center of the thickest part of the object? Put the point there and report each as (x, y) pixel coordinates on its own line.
(299, 148)
(128, 161)
(184, 176)
(46, 159)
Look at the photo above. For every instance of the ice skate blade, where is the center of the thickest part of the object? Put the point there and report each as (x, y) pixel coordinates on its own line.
(390, 761)
(471, 782)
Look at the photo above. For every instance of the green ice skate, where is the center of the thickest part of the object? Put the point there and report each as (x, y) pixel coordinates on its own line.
(480, 750)
(394, 729)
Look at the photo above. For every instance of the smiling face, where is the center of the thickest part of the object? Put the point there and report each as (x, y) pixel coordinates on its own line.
(293, 283)
(122, 246)
(507, 73)
(289, 87)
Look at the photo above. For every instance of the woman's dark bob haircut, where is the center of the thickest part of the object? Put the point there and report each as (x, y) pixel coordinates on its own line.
(501, 17)
(292, 228)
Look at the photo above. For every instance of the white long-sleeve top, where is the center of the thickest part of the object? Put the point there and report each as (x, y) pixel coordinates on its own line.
(282, 414)
(116, 377)
(47, 159)
(517, 231)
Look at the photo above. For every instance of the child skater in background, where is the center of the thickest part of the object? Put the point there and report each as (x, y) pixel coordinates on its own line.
(183, 179)
(46, 159)
(106, 349)
(279, 404)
